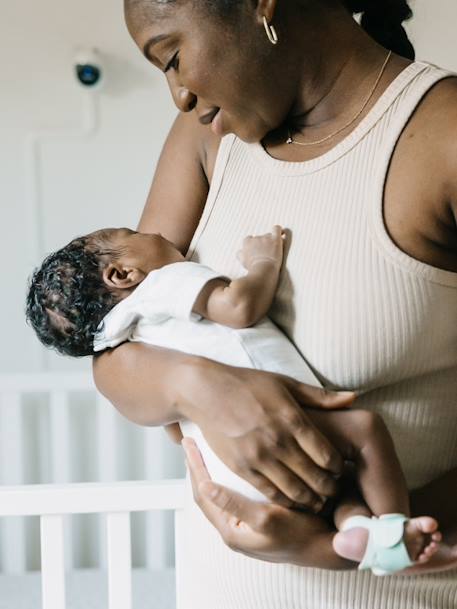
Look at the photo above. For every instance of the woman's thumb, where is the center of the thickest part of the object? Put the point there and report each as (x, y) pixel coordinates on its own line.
(319, 397)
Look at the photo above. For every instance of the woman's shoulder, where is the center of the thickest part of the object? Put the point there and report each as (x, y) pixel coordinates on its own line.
(437, 112)
(420, 205)
(205, 142)
(181, 181)
(435, 124)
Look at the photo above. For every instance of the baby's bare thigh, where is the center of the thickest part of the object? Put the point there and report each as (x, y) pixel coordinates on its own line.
(349, 430)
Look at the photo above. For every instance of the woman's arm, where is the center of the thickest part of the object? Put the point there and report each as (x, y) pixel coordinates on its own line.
(180, 186)
(173, 208)
(254, 421)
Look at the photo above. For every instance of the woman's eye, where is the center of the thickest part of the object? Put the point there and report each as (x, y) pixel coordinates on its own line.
(173, 63)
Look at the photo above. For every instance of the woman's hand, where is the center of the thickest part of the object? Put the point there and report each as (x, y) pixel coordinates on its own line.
(275, 534)
(256, 424)
(259, 530)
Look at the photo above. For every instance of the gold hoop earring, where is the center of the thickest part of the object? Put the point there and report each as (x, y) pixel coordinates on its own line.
(271, 32)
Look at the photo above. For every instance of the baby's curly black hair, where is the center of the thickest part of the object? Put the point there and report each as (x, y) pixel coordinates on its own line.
(67, 298)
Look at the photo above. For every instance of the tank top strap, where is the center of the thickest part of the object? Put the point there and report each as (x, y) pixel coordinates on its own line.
(222, 158)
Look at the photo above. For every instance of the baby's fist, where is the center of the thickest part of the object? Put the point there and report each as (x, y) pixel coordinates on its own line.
(263, 248)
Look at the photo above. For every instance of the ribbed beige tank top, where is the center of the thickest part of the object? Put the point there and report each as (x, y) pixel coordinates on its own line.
(364, 314)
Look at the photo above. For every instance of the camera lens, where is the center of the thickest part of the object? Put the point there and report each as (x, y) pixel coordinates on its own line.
(88, 75)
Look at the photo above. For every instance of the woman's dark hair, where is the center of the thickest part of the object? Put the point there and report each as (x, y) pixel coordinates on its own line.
(382, 20)
(67, 298)
(145, 8)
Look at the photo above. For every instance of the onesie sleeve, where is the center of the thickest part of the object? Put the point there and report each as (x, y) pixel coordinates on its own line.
(183, 282)
(169, 292)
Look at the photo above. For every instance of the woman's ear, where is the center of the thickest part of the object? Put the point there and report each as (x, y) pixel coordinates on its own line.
(266, 8)
(115, 275)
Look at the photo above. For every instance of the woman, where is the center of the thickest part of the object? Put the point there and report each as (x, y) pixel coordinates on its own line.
(292, 114)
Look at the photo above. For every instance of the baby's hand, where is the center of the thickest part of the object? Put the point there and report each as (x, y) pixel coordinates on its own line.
(263, 248)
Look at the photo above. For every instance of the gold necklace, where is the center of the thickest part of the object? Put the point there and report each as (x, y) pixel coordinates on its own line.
(290, 139)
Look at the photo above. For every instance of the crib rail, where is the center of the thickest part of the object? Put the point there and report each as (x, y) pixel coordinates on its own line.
(116, 501)
(45, 381)
(57, 430)
(92, 497)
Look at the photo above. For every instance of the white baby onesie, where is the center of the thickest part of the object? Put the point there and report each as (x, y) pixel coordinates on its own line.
(159, 312)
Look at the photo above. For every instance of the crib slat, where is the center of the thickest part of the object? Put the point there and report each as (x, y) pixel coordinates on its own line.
(61, 454)
(179, 558)
(60, 437)
(52, 562)
(11, 463)
(107, 461)
(156, 531)
(107, 439)
(119, 561)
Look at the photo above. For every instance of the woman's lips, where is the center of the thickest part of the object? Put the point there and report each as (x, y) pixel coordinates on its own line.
(207, 118)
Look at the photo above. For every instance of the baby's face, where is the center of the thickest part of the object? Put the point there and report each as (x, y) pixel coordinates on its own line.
(145, 252)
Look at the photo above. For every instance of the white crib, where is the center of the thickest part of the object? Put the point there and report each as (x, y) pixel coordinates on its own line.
(152, 587)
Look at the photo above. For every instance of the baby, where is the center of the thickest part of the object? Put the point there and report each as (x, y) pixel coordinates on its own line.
(115, 285)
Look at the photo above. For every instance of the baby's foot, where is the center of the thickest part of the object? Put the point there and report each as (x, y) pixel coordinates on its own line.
(421, 539)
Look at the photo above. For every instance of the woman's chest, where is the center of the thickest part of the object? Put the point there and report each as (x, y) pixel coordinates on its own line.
(359, 319)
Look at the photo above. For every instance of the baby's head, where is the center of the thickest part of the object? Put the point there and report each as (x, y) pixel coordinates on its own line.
(78, 285)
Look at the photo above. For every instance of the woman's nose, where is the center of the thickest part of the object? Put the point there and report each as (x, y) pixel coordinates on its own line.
(187, 100)
(184, 100)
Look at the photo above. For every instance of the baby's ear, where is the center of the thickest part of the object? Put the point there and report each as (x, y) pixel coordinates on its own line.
(115, 275)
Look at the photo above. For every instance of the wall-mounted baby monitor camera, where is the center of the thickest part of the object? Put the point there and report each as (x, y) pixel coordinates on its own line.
(88, 68)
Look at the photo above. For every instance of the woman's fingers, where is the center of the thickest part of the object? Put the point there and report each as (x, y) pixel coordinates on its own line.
(292, 478)
(310, 439)
(243, 511)
(320, 451)
(301, 465)
(205, 488)
(318, 397)
(287, 488)
(195, 460)
(233, 515)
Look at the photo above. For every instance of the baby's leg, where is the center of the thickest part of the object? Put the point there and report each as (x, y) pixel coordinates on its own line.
(363, 438)
(351, 504)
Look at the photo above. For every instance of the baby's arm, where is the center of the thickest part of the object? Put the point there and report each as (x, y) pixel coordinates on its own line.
(246, 300)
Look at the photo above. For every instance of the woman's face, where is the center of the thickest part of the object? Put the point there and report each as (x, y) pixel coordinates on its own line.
(227, 71)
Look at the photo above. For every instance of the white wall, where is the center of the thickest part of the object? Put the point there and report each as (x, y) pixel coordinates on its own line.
(85, 183)
(432, 31)
(101, 181)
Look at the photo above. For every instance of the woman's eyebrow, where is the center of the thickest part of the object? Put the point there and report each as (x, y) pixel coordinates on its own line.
(150, 43)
